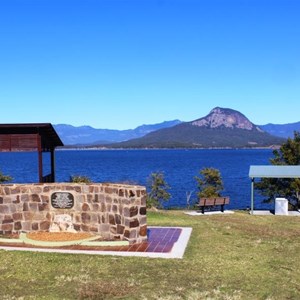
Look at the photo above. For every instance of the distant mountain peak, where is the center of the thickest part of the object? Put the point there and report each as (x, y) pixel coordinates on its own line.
(225, 117)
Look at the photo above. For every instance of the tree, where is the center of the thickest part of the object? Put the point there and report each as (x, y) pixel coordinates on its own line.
(158, 190)
(4, 178)
(210, 183)
(270, 188)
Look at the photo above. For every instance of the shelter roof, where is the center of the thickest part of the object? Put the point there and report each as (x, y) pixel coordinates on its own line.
(16, 137)
(274, 171)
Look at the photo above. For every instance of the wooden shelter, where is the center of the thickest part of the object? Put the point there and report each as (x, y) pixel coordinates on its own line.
(40, 137)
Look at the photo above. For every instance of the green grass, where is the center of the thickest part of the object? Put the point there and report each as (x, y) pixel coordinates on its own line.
(228, 257)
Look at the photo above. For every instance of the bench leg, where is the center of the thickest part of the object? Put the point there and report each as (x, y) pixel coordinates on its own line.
(222, 208)
(202, 208)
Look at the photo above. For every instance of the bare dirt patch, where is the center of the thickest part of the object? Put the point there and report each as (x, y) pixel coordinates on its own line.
(58, 236)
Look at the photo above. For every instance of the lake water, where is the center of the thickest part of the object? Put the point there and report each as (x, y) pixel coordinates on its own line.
(134, 166)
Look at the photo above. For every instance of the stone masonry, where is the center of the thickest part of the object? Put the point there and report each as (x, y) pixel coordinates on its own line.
(114, 211)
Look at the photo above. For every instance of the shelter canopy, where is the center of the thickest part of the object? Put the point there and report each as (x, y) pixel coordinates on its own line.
(274, 172)
(40, 137)
(271, 172)
(29, 136)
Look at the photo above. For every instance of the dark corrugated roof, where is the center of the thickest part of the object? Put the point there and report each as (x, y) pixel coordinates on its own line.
(22, 131)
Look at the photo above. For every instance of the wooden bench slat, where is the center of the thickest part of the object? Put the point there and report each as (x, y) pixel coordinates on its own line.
(206, 202)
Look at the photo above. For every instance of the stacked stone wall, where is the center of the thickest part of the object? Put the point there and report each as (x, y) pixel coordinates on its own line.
(114, 211)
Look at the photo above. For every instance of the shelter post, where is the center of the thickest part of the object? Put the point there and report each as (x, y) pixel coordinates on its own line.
(252, 195)
(52, 165)
(40, 157)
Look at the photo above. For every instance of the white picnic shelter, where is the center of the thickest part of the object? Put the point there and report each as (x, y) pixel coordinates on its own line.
(267, 171)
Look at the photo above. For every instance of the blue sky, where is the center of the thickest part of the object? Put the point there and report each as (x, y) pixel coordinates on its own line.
(119, 64)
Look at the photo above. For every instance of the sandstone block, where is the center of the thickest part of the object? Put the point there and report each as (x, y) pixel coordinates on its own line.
(96, 207)
(7, 227)
(35, 198)
(7, 219)
(35, 226)
(133, 211)
(114, 208)
(93, 229)
(126, 212)
(17, 216)
(143, 220)
(25, 206)
(104, 227)
(130, 234)
(4, 209)
(85, 218)
(143, 231)
(16, 200)
(112, 220)
(118, 219)
(84, 228)
(113, 229)
(17, 226)
(143, 200)
(45, 225)
(27, 215)
(120, 229)
(43, 206)
(143, 210)
(33, 206)
(7, 190)
(134, 223)
(94, 218)
(24, 197)
(45, 198)
(85, 207)
(26, 226)
(77, 226)
(108, 200)
(46, 189)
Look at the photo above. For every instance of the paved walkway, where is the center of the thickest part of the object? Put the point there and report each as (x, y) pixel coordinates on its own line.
(163, 242)
(208, 213)
(272, 213)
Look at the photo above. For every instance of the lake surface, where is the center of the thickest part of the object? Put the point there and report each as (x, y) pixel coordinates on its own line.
(134, 166)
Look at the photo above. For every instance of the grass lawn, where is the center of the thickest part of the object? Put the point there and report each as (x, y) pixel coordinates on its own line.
(234, 256)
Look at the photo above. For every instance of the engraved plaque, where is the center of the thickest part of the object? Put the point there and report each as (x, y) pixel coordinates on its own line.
(62, 200)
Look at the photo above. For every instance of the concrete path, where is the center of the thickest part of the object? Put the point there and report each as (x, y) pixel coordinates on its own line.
(177, 248)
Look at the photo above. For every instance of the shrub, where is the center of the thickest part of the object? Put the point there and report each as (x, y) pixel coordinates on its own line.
(4, 178)
(80, 179)
(158, 190)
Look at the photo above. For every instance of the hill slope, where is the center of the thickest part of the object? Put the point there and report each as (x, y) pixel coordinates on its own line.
(87, 135)
(281, 130)
(221, 128)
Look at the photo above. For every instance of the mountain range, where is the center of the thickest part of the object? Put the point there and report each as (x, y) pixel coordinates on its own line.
(281, 130)
(87, 135)
(222, 127)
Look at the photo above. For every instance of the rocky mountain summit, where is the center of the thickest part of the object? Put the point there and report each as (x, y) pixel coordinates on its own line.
(225, 117)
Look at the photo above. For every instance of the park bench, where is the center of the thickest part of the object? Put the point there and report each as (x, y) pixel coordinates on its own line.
(212, 202)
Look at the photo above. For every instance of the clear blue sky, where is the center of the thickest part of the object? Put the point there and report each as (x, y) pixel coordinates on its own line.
(119, 64)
